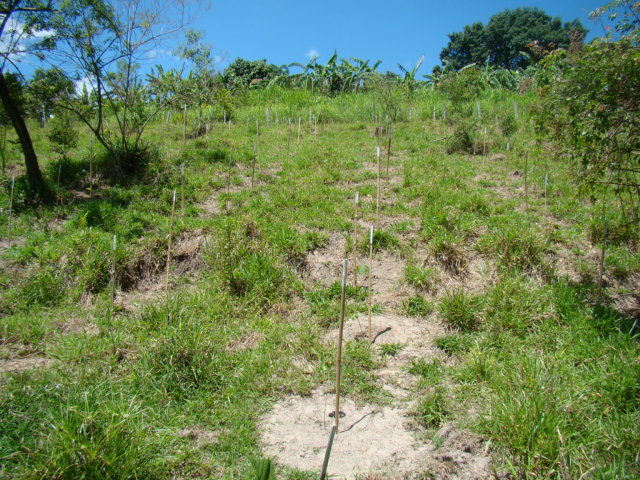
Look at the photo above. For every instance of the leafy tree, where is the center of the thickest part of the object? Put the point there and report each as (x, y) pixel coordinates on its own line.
(24, 32)
(590, 103)
(511, 39)
(104, 43)
(244, 73)
(45, 89)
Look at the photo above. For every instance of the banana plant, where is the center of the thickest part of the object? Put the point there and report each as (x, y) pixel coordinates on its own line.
(409, 82)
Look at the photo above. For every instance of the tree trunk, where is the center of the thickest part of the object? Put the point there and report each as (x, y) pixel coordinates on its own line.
(34, 176)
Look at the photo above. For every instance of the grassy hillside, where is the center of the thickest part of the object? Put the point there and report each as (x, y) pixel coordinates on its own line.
(500, 250)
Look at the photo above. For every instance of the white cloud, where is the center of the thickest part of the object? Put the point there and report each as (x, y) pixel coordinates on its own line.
(311, 53)
(83, 82)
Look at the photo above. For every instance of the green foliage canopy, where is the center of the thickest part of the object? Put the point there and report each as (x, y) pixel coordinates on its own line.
(511, 39)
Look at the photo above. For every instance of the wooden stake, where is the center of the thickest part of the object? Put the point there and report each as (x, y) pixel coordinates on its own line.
(288, 137)
(369, 278)
(388, 149)
(602, 250)
(378, 189)
(355, 242)
(91, 166)
(526, 182)
(114, 249)
(184, 124)
(173, 209)
(339, 354)
(255, 154)
(327, 454)
(182, 191)
(9, 223)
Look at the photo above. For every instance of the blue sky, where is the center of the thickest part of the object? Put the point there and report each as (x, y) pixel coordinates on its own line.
(285, 31)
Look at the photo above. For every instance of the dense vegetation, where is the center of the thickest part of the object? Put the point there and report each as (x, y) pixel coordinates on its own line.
(512, 212)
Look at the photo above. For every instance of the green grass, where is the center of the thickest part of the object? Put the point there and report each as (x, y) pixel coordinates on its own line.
(540, 363)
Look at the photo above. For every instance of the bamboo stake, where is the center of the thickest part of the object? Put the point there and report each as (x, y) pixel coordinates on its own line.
(355, 242)
(173, 209)
(255, 154)
(526, 182)
(388, 149)
(114, 249)
(369, 279)
(327, 454)
(9, 218)
(546, 184)
(184, 124)
(91, 166)
(182, 191)
(288, 137)
(378, 189)
(478, 109)
(515, 110)
(339, 353)
(603, 249)
(299, 120)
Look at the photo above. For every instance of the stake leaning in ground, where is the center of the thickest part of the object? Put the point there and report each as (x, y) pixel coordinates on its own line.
(369, 278)
(339, 353)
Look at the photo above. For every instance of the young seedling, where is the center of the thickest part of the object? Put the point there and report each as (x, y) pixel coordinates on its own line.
(355, 241)
(173, 209)
(339, 353)
(369, 279)
(59, 199)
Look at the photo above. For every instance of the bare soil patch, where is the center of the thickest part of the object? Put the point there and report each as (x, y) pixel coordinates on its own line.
(372, 441)
(15, 365)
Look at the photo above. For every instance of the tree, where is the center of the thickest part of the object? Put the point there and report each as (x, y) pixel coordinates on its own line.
(103, 44)
(511, 39)
(45, 89)
(24, 31)
(243, 73)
